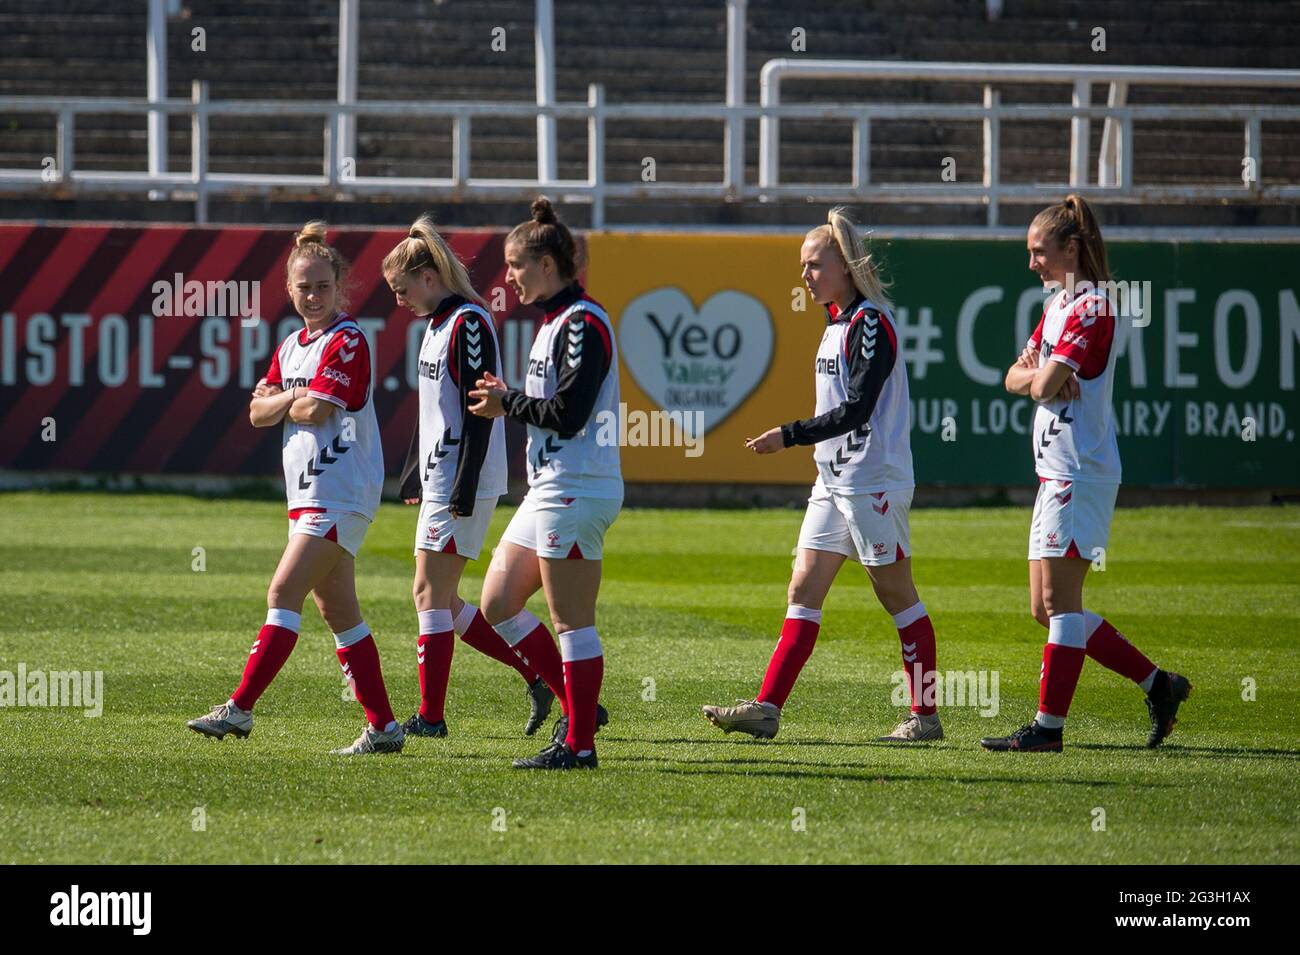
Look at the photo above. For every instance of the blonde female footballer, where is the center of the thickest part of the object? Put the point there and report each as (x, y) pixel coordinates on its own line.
(455, 471)
(860, 501)
(319, 389)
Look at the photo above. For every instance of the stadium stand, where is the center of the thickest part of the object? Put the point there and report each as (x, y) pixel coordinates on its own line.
(672, 51)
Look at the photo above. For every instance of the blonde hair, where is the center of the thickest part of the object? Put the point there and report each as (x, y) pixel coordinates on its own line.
(1073, 219)
(863, 267)
(424, 248)
(309, 243)
(545, 234)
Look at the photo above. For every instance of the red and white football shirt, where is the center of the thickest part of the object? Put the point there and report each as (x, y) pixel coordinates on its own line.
(338, 464)
(1075, 441)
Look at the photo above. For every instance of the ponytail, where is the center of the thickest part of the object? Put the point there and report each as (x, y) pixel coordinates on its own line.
(424, 248)
(1074, 219)
(545, 234)
(863, 267)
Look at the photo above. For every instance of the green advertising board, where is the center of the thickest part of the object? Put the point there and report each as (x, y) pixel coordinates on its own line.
(1205, 376)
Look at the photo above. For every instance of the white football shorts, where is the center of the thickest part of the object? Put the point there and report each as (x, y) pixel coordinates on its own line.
(1071, 519)
(439, 531)
(345, 528)
(568, 527)
(871, 527)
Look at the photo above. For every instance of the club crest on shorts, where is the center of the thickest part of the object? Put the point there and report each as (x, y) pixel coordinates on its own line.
(552, 539)
(879, 549)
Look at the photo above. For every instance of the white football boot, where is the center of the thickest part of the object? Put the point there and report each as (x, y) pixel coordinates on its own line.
(224, 718)
(760, 720)
(915, 728)
(372, 740)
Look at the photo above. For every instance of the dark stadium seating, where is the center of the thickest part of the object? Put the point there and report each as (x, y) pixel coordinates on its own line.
(641, 51)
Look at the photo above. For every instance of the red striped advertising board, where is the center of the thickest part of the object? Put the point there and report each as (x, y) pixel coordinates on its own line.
(128, 349)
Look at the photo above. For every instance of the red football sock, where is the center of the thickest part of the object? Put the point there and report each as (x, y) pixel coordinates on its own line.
(435, 647)
(360, 662)
(798, 637)
(1062, 663)
(582, 678)
(916, 635)
(275, 641)
(478, 633)
(1109, 647)
(532, 642)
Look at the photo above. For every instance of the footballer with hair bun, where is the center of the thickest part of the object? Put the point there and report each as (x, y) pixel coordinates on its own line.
(575, 484)
(318, 388)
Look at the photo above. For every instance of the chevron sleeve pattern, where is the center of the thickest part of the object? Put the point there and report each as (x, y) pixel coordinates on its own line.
(871, 358)
(582, 357)
(473, 350)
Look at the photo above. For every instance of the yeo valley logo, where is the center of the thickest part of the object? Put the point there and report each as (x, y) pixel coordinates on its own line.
(704, 360)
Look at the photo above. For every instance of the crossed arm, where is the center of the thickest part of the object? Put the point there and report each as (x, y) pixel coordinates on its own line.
(271, 404)
(1054, 381)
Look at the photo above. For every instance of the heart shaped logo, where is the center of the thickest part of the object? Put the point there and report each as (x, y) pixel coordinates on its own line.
(706, 360)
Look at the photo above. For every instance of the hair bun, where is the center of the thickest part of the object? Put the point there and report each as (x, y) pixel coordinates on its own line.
(312, 232)
(542, 211)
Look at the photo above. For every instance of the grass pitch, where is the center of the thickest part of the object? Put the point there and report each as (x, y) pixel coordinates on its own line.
(690, 609)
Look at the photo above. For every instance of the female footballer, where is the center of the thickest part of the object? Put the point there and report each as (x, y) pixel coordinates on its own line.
(575, 484)
(319, 387)
(455, 471)
(859, 503)
(1068, 369)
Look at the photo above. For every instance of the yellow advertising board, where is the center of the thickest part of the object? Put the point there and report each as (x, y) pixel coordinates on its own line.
(719, 329)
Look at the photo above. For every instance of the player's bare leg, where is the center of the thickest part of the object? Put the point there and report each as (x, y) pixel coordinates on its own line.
(514, 575)
(305, 561)
(814, 572)
(1037, 609)
(897, 594)
(335, 593)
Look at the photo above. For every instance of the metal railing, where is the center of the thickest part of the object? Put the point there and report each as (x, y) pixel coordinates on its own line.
(338, 174)
(59, 174)
(1115, 164)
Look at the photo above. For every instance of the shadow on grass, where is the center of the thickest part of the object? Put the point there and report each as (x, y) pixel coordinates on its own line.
(717, 767)
(789, 746)
(1207, 752)
(785, 743)
(741, 741)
